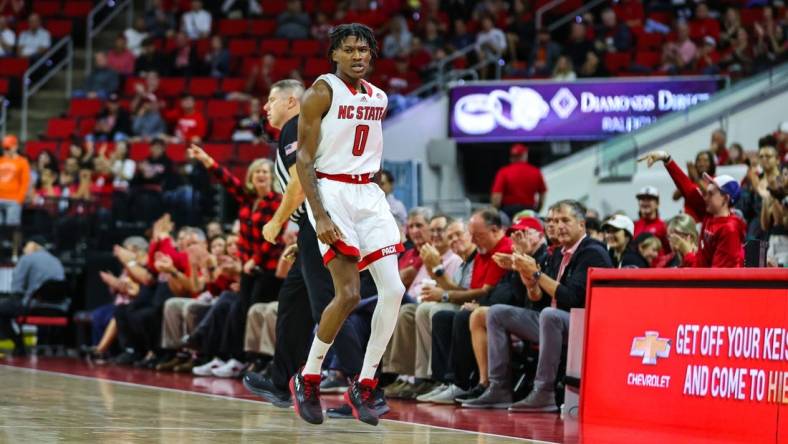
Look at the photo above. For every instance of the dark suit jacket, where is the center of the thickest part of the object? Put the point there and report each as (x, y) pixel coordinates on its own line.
(571, 292)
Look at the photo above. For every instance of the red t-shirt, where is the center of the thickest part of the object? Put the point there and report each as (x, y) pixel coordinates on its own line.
(656, 227)
(189, 126)
(485, 270)
(410, 258)
(519, 183)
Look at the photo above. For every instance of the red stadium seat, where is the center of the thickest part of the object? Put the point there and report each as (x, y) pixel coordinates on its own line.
(130, 84)
(59, 28)
(3, 86)
(86, 126)
(316, 66)
(203, 46)
(13, 66)
(34, 147)
(305, 48)
(664, 17)
(242, 47)
(233, 27)
(218, 108)
(650, 41)
(222, 129)
(176, 152)
(277, 47)
(283, 67)
(750, 16)
(248, 152)
(617, 61)
(84, 107)
(204, 86)
(275, 7)
(221, 153)
(47, 8)
(385, 66)
(77, 9)
(61, 128)
(261, 28)
(648, 58)
(171, 86)
(139, 151)
(233, 84)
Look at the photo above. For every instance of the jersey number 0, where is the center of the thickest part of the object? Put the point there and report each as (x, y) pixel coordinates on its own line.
(360, 141)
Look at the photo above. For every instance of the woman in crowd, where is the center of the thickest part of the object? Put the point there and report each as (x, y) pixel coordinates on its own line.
(619, 231)
(683, 238)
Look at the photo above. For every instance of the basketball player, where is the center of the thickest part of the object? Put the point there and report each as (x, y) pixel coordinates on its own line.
(340, 140)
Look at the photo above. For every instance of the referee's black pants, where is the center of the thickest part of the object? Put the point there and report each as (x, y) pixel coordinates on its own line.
(305, 293)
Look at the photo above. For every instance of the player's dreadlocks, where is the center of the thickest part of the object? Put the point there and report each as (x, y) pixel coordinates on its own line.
(357, 30)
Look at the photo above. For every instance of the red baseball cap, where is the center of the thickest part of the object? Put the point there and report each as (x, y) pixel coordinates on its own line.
(518, 149)
(525, 223)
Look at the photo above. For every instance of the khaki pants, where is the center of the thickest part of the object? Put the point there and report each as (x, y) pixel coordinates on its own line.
(181, 316)
(410, 348)
(260, 334)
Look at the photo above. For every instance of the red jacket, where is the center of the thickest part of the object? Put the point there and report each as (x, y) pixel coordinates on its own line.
(721, 238)
(656, 227)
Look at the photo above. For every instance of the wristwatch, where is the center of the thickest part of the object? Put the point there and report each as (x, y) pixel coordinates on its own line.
(439, 271)
(537, 274)
(445, 296)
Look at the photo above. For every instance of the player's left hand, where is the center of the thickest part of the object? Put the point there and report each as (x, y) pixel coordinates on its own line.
(327, 231)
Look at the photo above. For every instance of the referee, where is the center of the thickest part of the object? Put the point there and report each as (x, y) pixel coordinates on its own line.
(308, 283)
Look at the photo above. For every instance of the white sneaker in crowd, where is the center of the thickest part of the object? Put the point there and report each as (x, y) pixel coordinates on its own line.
(231, 369)
(207, 369)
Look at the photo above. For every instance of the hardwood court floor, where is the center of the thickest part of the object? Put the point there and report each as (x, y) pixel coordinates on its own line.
(38, 406)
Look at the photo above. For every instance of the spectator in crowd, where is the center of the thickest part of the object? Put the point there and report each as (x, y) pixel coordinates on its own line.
(158, 22)
(592, 66)
(145, 91)
(520, 31)
(260, 78)
(251, 128)
(47, 187)
(35, 40)
(736, 155)
(419, 57)
(217, 60)
(7, 38)
(293, 23)
(649, 248)
(14, 184)
(387, 182)
(649, 220)
(731, 24)
(741, 57)
(102, 80)
(433, 40)
(519, 185)
(36, 267)
(45, 161)
(704, 163)
(189, 122)
(578, 45)
(719, 146)
(460, 37)
(490, 41)
(120, 59)
(196, 23)
(321, 28)
(723, 233)
(113, 122)
(781, 139)
(755, 187)
(680, 55)
(774, 218)
(148, 123)
(683, 238)
(136, 35)
(397, 41)
(563, 285)
(621, 243)
(544, 54)
(155, 169)
(707, 60)
(612, 36)
(150, 60)
(563, 69)
(702, 22)
(12, 9)
(123, 167)
(183, 58)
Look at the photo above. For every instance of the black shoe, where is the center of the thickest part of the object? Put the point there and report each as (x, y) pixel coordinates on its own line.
(305, 391)
(126, 358)
(379, 405)
(263, 386)
(149, 363)
(359, 397)
(473, 394)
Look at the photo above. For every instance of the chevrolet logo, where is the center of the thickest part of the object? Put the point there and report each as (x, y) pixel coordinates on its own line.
(650, 347)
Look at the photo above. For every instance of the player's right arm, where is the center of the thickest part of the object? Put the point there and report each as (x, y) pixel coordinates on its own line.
(314, 105)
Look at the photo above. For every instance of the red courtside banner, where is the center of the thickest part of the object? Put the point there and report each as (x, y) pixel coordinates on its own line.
(696, 350)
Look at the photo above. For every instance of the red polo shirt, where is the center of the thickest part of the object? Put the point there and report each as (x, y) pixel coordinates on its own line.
(485, 270)
(519, 183)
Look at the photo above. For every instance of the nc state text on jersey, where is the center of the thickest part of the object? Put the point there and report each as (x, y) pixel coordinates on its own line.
(361, 112)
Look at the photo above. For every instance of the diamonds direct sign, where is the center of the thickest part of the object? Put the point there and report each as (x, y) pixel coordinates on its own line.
(593, 109)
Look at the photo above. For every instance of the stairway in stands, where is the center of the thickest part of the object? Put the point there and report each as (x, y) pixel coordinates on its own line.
(51, 101)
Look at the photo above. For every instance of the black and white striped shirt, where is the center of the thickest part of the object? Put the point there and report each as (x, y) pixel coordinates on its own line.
(285, 158)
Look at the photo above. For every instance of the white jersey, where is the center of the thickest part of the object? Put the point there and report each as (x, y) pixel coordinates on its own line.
(351, 134)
